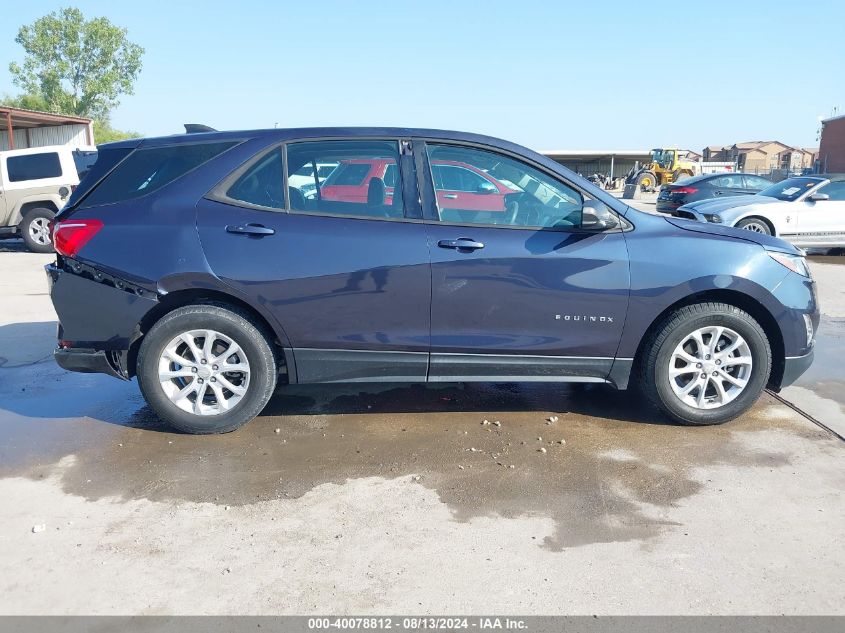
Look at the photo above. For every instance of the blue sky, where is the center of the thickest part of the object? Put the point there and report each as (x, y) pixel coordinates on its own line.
(591, 75)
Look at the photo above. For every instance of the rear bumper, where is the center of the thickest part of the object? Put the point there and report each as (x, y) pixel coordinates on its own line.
(664, 206)
(99, 319)
(97, 311)
(794, 367)
(89, 361)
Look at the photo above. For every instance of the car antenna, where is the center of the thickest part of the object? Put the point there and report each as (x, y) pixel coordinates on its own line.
(195, 128)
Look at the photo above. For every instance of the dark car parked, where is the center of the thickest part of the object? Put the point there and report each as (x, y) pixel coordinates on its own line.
(708, 186)
(189, 262)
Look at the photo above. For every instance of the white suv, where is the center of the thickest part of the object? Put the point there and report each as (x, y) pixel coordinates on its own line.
(34, 184)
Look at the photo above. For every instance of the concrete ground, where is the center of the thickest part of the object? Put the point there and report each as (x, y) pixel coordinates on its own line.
(397, 499)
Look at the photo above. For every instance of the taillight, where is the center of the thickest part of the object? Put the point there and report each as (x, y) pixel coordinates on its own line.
(71, 235)
(684, 190)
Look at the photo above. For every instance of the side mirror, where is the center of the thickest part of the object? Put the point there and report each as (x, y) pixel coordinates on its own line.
(595, 216)
(818, 197)
(486, 187)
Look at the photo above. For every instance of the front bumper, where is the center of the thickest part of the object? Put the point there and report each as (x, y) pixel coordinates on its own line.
(90, 361)
(794, 367)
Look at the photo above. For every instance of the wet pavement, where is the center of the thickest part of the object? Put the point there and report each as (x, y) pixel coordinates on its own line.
(329, 434)
(375, 498)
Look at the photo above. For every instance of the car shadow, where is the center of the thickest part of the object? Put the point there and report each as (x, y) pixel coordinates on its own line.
(13, 246)
(596, 401)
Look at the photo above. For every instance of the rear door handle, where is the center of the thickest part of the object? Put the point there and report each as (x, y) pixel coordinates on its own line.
(250, 229)
(461, 244)
(451, 196)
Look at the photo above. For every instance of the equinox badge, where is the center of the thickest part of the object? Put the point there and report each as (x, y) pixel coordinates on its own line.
(583, 317)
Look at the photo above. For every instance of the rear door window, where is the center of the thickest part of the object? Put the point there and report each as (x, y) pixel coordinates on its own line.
(349, 173)
(34, 166)
(366, 182)
(146, 170)
(733, 181)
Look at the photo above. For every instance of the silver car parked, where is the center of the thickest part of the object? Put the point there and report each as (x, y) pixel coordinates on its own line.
(808, 211)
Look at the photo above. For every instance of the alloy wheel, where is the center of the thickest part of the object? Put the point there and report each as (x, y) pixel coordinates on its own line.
(710, 367)
(204, 372)
(756, 227)
(39, 231)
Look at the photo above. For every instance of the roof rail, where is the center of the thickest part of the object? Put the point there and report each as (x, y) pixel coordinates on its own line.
(196, 128)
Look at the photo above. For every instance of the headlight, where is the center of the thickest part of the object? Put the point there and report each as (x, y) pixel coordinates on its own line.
(712, 217)
(795, 263)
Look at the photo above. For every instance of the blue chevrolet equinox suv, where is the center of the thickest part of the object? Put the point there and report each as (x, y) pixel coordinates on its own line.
(214, 266)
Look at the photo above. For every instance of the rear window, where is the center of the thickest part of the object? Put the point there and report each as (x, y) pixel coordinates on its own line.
(349, 174)
(34, 166)
(146, 170)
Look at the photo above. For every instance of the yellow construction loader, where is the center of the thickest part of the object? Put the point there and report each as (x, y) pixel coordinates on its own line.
(667, 165)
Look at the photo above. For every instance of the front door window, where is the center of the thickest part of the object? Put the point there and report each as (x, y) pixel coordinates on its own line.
(474, 186)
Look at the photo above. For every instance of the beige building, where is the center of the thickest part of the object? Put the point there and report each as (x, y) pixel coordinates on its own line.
(763, 156)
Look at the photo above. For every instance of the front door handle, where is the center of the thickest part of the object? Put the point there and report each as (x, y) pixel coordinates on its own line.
(250, 229)
(461, 244)
(451, 196)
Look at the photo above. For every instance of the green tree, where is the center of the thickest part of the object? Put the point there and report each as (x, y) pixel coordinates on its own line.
(79, 66)
(26, 101)
(105, 133)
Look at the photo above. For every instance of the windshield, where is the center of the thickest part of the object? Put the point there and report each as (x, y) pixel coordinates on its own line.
(789, 189)
(664, 157)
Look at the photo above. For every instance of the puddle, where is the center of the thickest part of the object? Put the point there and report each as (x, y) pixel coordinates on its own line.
(826, 376)
(618, 473)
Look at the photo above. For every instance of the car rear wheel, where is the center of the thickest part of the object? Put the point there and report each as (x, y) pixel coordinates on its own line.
(705, 364)
(755, 225)
(206, 369)
(35, 230)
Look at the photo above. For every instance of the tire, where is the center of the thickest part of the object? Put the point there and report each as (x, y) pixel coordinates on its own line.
(650, 177)
(757, 225)
(659, 356)
(254, 369)
(34, 229)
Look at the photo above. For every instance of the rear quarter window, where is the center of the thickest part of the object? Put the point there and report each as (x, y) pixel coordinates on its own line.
(147, 170)
(34, 167)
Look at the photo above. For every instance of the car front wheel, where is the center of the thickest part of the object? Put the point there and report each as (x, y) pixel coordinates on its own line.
(206, 369)
(705, 364)
(755, 225)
